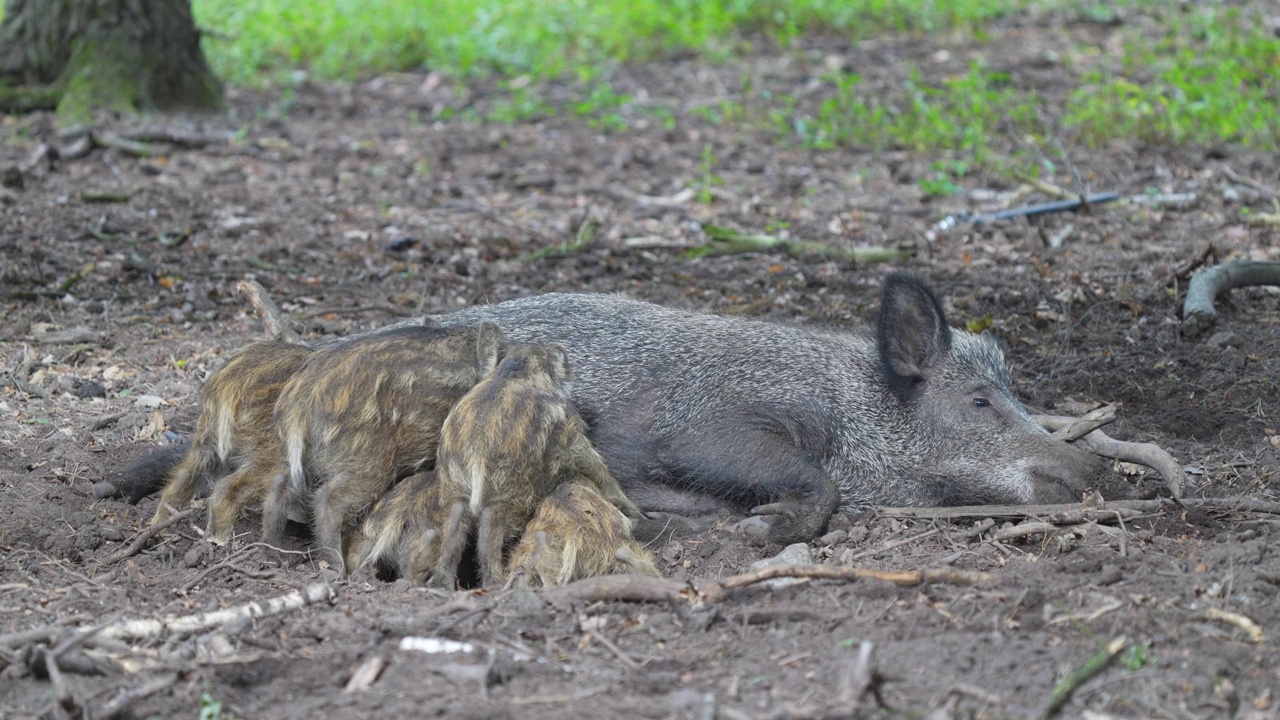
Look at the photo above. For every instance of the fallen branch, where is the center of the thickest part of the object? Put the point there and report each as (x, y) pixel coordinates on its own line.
(717, 591)
(1086, 424)
(1033, 527)
(1198, 314)
(143, 537)
(727, 241)
(1247, 181)
(185, 624)
(1152, 456)
(125, 699)
(273, 321)
(1076, 513)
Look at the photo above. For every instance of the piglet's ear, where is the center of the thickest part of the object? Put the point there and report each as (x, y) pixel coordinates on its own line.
(560, 363)
(913, 334)
(489, 343)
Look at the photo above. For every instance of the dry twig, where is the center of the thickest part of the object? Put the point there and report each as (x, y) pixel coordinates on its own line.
(143, 537)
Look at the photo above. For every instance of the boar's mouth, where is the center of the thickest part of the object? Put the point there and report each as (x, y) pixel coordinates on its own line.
(946, 491)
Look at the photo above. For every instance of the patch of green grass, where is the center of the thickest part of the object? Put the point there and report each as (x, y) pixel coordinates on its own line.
(1212, 77)
(254, 40)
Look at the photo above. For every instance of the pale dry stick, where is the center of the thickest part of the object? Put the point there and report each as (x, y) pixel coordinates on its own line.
(557, 699)
(1086, 424)
(143, 537)
(366, 675)
(1148, 454)
(273, 321)
(1025, 529)
(1249, 627)
(1046, 187)
(184, 624)
(895, 544)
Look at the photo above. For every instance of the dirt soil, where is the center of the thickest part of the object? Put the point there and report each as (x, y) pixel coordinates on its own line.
(356, 208)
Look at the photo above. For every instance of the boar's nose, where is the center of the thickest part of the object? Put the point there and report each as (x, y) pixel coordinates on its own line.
(1064, 477)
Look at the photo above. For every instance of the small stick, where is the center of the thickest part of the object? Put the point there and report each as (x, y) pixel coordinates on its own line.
(273, 321)
(617, 651)
(1247, 181)
(1153, 456)
(143, 537)
(1249, 627)
(1198, 314)
(1094, 665)
(1025, 529)
(127, 698)
(367, 674)
(1046, 187)
(1087, 423)
(896, 544)
(183, 624)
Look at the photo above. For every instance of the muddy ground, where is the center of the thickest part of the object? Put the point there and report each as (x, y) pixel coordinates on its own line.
(356, 207)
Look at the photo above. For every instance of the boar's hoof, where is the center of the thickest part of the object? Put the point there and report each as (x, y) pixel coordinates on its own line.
(754, 527)
(792, 521)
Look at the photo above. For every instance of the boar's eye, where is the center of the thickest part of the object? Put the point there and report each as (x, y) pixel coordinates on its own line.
(981, 402)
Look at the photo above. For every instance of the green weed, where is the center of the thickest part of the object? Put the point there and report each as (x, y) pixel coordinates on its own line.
(709, 179)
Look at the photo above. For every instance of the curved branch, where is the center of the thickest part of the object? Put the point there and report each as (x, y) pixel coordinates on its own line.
(1198, 314)
(1099, 443)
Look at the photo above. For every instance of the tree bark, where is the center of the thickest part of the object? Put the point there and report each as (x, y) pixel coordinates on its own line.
(114, 55)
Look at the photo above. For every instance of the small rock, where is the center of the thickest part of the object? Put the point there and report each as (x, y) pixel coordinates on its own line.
(708, 548)
(91, 389)
(149, 401)
(1226, 338)
(73, 336)
(857, 535)
(1110, 574)
(112, 533)
(194, 557)
(833, 538)
(797, 554)
(672, 551)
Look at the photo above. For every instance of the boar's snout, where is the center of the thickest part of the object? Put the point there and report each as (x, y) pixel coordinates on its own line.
(1064, 474)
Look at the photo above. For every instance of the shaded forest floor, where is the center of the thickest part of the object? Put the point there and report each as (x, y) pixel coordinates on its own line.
(355, 209)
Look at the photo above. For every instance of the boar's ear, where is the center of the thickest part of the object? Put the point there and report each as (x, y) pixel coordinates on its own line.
(489, 343)
(913, 333)
(559, 363)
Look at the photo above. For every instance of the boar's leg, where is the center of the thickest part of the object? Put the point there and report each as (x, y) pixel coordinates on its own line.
(784, 484)
(453, 542)
(490, 539)
(275, 510)
(419, 556)
(246, 486)
(341, 499)
(181, 487)
(149, 473)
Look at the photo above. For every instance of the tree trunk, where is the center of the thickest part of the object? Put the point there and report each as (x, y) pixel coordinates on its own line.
(114, 55)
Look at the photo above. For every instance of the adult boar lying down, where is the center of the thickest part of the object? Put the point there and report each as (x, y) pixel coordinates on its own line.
(695, 413)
